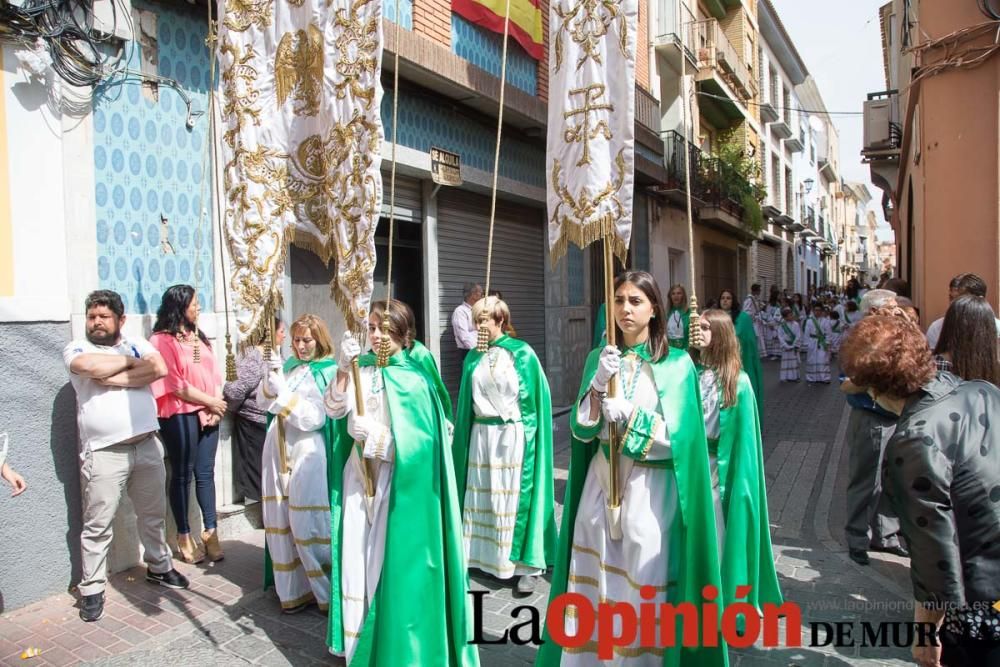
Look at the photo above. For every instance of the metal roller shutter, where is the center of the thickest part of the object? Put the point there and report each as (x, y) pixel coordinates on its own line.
(518, 267)
(409, 204)
(768, 268)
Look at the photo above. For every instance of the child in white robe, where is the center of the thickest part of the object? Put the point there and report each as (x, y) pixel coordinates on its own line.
(790, 337)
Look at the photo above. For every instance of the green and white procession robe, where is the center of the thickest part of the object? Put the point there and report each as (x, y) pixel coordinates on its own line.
(503, 461)
(400, 576)
(736, 457)
(668, 532)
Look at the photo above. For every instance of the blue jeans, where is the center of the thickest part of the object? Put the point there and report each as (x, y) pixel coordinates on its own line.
(191, 450)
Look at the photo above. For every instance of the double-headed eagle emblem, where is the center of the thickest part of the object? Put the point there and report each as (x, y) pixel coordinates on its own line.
(298, 69)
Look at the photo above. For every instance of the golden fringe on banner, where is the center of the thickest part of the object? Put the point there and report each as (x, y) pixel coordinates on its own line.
(583, 235)
(272, 305)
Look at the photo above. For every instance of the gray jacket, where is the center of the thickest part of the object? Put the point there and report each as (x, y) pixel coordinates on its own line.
(942, 470)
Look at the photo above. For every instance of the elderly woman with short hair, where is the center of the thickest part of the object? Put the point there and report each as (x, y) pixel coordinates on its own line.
(942, 476)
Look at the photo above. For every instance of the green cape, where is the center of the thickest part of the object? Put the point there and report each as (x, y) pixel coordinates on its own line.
(686, 321)
(421, 613)
(751, 357)
(323, 371)
(746, 552)
(534, 542)
(680, 402)
(423, 357)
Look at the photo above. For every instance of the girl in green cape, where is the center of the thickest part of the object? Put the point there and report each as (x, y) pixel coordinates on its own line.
(748, 345)
(503, 455)
(664, 535)
(422, 357)
(294, 488)
(678, 319)
(400, 580)
(736, 456)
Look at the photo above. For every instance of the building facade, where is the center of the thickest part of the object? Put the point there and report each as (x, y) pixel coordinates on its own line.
(930, 141)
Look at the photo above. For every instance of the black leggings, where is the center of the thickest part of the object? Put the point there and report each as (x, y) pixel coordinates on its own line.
(192, 454)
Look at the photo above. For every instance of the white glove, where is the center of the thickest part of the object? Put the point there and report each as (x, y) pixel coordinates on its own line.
(349, 350)
(607, 367)
(617, 410)
(274, 384)
(359, 427)
(275, 363)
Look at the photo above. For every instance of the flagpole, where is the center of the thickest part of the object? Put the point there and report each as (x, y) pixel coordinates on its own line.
(694, 326)
(614, 490)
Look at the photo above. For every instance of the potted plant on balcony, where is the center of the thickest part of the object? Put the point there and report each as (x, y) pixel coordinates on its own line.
(739, 181)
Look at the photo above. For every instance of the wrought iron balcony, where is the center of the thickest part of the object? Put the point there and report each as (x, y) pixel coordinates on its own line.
(716, 56)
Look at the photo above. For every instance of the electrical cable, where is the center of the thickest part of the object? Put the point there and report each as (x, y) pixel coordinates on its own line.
(811, 111)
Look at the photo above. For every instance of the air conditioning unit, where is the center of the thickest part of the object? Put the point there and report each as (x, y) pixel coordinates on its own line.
(878, 115)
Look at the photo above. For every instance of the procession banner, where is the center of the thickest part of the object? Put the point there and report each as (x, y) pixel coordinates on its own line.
(525, 20)
(591, 133)
(300, 87)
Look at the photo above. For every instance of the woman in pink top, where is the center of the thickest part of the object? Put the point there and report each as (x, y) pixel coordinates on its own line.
(190, 405)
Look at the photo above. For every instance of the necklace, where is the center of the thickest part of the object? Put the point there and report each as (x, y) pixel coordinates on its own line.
(187, 338)
(376, 389)
(633, 380)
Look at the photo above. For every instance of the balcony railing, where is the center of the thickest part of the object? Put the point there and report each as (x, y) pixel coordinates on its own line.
(713, 50)
(713, 182)
(647, 110)
(883, 132)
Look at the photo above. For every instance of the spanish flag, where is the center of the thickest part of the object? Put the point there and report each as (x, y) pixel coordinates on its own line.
(525, 20)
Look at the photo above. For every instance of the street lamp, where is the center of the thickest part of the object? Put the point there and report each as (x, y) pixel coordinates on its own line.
(808, 184)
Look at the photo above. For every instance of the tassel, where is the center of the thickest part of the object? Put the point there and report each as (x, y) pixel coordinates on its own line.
(382, 355)
(483, 339)
(694, 325)
(230, 360)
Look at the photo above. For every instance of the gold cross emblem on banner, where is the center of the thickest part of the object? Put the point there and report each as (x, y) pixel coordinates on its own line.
(587, 129)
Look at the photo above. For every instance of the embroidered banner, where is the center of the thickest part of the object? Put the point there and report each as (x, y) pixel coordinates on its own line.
(525, 20)
(300, 91)
(591, 134)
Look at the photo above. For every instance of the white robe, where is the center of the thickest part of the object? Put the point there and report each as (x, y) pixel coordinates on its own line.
(817, 358)
(493, 474)
(362, 549)
(604, 569)
(772, 327)
(790, 359)
(296, 504)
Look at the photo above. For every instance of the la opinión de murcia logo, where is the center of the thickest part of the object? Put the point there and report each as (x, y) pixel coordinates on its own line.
(692, 626)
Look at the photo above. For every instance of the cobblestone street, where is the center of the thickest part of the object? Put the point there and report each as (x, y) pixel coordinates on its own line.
(226, 619)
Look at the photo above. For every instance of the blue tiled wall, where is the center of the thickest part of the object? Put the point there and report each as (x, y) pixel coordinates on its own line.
(405, 12)
(147, 163)
(484, 49)
(425, 122)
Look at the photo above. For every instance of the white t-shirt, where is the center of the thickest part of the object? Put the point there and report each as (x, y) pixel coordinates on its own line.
(109, 415)
(934, 332)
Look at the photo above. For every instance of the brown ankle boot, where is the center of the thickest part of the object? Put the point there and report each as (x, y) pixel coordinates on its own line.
(189, 550)
(212, 546)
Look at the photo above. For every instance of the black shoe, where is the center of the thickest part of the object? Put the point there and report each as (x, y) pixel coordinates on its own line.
(92, 607)
(526, 584)
(895, 550)
(296, 609)
(859, 556)
(169, 579)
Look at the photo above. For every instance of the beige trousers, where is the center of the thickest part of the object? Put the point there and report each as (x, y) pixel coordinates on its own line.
(138, 469)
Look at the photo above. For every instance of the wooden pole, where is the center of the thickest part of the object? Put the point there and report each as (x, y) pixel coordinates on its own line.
(359, 403)
(614, 492)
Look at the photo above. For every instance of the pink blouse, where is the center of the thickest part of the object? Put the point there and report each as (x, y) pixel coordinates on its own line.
(183, 372)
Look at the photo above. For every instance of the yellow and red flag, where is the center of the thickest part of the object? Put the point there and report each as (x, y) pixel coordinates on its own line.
(525, 20)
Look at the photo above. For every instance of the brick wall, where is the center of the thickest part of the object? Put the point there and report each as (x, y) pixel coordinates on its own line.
(432, 18)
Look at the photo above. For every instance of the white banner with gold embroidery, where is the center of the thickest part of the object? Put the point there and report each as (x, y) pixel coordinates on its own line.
(590, 155)
(301, 91)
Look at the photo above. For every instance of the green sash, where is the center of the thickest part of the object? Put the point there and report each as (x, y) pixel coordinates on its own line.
(680, 403)
(818, 334)
(680, 343)
(789, 336)
(534, 540)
